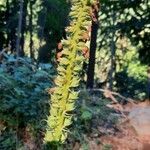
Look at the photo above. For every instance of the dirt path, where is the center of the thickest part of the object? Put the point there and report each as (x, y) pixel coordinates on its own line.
(134, 132)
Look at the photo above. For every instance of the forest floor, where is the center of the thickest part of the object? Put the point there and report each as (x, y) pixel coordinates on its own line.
(133, 130)
(130, 132)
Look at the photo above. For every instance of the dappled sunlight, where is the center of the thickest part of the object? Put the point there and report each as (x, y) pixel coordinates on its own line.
(74, 75)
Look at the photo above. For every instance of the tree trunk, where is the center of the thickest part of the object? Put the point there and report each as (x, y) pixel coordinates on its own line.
(19, 29)
(42, 26)
(31, 30)
(93, 46)
(12, 25)
(23, 27)
(112, 69)
(113, 53)
(7, 18)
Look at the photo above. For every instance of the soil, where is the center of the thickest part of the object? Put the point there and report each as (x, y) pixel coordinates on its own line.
(133, 130)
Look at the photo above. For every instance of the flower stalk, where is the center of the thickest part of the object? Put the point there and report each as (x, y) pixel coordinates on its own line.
(70, 64)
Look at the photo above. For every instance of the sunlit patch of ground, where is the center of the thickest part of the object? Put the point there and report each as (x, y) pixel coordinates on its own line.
(133, 131)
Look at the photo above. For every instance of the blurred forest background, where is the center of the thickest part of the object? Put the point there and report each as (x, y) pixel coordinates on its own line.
(30, 35)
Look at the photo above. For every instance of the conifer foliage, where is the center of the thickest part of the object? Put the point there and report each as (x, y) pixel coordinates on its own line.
(70, 64)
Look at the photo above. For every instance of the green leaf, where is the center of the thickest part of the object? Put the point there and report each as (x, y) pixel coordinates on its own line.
(86, 115)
